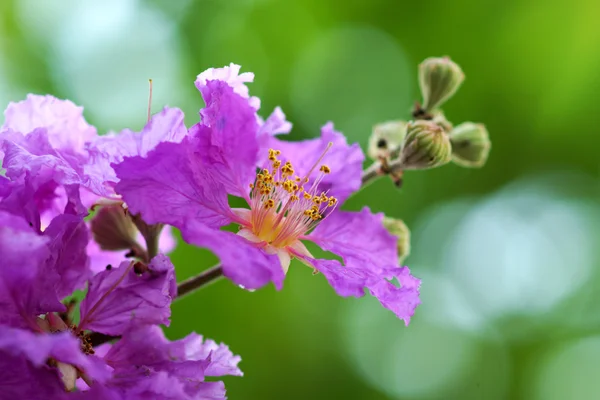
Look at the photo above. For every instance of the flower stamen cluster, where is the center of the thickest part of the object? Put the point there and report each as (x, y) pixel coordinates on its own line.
(283, 206)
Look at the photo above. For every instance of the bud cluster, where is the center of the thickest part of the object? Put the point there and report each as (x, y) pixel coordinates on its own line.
(430, 140)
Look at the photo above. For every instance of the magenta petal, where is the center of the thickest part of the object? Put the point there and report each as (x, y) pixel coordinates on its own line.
(68, 242)
(24, 292)
(119, 299)
(166, 126)
(228, 137)
(275, 124)
(352, 281)
(62, 346)
(359, 238)
(33, 154)
(231, 75)
(222, 360)
(174, 367)
(401, 300)
(171, 186)
(242, 262)
(64, 121)
(345, 161)
(19, 379)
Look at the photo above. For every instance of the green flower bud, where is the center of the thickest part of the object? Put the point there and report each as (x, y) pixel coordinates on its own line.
(399, 229)
(439, 79)
(386, 138)
(112, 228)
(440, 119)
(426, 145)
(470, 144)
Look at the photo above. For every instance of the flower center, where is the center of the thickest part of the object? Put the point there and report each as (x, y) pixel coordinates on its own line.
(285, 206)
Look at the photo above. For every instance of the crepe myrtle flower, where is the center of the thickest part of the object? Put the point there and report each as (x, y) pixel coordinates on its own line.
(51, 154)
(43, 354)
(292, 198)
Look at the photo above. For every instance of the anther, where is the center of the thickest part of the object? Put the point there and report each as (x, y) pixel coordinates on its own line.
(325, 169)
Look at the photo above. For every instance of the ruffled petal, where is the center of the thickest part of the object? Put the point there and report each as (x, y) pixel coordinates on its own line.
(119, 299)
(345, 161)
(33, 155)
(230, 75)
(68, 239)
(166, 126)
(38, 348)
(222, 360)
(177, 367)
(64, 121)
(276, 124)
(19, 379)
(350, 280)
(359, 238)
(402, 300)
(242, 262)
(171, 185)
(26, 288)
(227, 137)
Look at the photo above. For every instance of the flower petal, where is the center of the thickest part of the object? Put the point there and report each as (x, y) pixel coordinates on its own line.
(222, 360)
(119, 299)
(145, 352)
(68, 239)
(242, 262)
(275, 124)
(231, 75)
(19, 379)
(228, 137)
(359, 238)
(171, 185)
(26, 288)
(401, 300)
(64, 121)
(166, 126)
(351, 281)
(345, 161)
(62, 347)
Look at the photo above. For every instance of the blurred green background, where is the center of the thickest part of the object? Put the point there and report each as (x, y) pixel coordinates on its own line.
(508, 254)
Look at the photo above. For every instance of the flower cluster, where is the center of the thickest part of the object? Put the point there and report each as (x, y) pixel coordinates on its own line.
(80, 210)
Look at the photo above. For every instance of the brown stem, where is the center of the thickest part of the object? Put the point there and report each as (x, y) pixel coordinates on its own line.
(196, 282)
(378, 169)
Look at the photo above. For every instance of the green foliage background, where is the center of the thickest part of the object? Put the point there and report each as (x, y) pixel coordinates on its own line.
(532, 78)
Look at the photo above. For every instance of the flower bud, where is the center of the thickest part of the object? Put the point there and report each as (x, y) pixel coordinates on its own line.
(386, 138)
(399, 229)
(113, 228)
(440, 119)
(470, 144)
(439, 79)
(426, 145)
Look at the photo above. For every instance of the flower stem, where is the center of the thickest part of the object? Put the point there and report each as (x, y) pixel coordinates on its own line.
(202, 279)
(378, 169)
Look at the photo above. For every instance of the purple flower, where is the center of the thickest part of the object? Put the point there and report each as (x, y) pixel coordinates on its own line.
(146, 365)
(63, 121)
(166, 126)
(292, 198)
(38, 269)
(56, 161)
(275, 124)
(119, 298)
